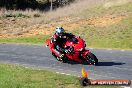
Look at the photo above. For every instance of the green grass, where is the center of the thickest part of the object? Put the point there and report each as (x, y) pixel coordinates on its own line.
(38, 39)
(12, 76)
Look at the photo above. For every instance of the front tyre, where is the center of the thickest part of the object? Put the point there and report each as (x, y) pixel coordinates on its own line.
(92, 59)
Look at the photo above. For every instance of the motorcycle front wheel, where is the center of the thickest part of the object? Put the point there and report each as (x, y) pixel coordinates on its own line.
(92, 59)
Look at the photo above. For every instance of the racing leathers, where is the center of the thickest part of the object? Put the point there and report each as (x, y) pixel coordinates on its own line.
(58, 42)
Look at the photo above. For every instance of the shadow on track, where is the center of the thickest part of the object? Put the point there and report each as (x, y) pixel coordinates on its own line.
(74, 62)
(99, 63)
(109, 63)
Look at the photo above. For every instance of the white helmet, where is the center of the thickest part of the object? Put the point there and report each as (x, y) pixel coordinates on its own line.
(59, 31)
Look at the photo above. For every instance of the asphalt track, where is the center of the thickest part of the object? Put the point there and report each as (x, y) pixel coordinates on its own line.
(113, 64)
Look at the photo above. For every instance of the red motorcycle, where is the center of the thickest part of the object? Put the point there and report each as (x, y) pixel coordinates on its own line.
(77, 51)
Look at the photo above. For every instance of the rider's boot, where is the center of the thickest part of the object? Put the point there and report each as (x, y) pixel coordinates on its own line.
(58, 54)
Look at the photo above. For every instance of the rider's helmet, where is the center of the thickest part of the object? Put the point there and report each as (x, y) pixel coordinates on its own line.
(59, 31)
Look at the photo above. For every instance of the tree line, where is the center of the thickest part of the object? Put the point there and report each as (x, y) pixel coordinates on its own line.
(33, 4)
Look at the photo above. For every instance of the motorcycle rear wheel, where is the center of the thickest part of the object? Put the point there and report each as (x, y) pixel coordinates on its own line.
(92, 59)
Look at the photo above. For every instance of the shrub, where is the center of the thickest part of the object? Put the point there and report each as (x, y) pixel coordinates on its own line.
(15, 15)
(36, 15)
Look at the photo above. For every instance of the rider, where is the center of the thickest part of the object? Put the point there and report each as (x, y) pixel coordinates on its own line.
(58, 39)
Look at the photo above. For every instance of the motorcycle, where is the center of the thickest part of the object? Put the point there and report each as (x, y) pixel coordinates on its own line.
(76, 51)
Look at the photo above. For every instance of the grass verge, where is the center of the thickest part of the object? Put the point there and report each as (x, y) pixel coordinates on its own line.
(38, 39)
(12, 76)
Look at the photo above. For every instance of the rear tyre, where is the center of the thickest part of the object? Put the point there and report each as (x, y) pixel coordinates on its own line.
(92, 59)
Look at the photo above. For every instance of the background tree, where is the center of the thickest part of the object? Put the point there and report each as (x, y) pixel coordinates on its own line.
(34, 4)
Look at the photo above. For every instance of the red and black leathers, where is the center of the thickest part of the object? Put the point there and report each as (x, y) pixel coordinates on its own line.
(58, 42)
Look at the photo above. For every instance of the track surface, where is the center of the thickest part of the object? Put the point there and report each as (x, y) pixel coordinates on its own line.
(113, 64)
